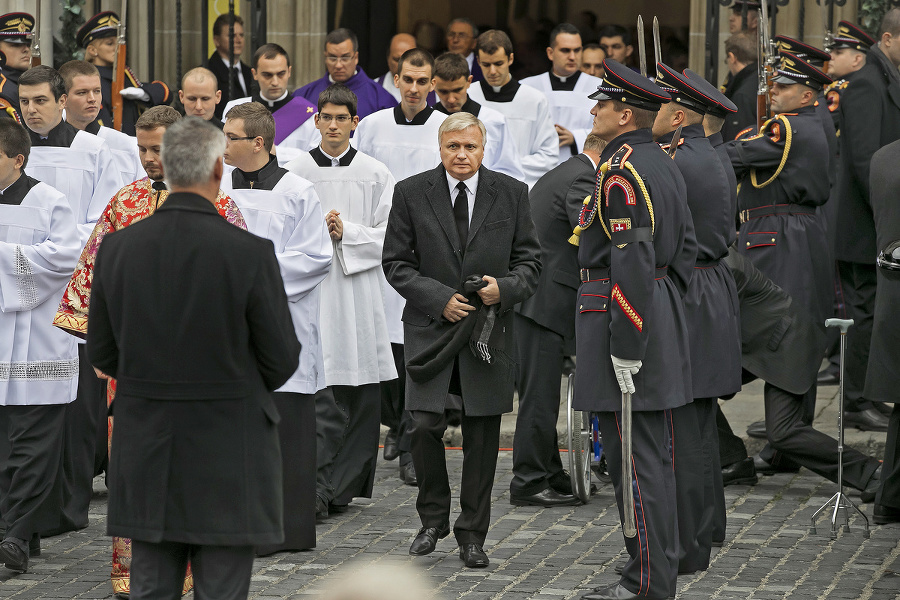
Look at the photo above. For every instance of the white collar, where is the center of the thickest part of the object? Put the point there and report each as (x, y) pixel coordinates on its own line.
(348, 79)
(471, 183)
(334, 158)
(271, 103)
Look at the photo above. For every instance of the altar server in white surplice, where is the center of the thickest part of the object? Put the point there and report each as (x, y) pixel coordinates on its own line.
(78, 164)
(403, 138)
(451, 84)
(83, 98)
(356, 192)
(527, 110)
(567, 89)
(82, 167)
(39, 246)
(285, 209)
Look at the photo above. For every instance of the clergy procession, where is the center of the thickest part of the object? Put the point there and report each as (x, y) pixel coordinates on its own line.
(227, 309)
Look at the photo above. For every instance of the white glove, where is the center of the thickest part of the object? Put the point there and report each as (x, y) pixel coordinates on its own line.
(133, 93)
(624, 369)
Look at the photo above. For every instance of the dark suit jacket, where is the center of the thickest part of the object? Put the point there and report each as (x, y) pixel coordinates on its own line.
(556, 200)
(423, 262)
(219, 69)
(883, 372)
(741, 90)
(780, 343)
(189, 313)
(870, 119)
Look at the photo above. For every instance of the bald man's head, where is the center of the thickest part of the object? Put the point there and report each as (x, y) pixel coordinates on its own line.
(400, 43)
(199, 93)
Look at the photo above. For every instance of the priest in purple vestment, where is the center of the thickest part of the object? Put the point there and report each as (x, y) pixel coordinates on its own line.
(342, 62)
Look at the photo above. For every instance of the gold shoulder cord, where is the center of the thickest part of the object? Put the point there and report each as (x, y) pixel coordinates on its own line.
(640, 182)
(788, 134)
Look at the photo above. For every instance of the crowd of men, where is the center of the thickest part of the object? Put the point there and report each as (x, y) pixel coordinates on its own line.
(425, 244)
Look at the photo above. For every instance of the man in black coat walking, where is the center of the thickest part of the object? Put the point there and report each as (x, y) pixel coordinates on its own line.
(544, 325)
(197, 341)
(740, 56)
(458, 328)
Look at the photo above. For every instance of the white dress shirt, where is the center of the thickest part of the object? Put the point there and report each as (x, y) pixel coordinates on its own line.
(471, 188)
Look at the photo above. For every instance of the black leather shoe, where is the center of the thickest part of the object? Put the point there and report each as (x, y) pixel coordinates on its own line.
(473, 556)
(766, 468)
(611, 592)
(868, 494)
(757, 430)
(883, 515)
(869, 419)
(717, 543)
(391, 451)
(321, 508)
(14, 558)
(562, 483)
(547, 498)
(828, 376)
(408, 474)
(740, 473)
(885, 409)
(427, 539)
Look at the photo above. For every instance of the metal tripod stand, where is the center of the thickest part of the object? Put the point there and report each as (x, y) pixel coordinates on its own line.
(840, 504)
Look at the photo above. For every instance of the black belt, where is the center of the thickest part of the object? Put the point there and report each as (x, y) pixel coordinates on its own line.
(600, 273)
(705, 264)
(776, 209)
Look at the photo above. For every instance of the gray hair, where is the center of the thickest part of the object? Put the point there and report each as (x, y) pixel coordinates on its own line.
(458, 122)
(190, 149)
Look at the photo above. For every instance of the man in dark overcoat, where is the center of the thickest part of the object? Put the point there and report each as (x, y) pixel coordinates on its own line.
(870, 119)
(196, 341)
(446, 225)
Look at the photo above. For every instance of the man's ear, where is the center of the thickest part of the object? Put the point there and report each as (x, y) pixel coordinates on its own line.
(218, 96)
(550, 53)
(629, 49)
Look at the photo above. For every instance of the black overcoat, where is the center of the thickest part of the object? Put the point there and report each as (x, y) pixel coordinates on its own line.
(423, 262)
(189, 313)
(742, 90)
(217, 66)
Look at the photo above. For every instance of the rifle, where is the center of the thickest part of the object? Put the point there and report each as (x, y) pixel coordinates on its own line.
(36, 37)
(765, 68)
(118, 83)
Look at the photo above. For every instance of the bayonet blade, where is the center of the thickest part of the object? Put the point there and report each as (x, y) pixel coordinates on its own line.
(676, 137)
(657, 47)
(642, 53)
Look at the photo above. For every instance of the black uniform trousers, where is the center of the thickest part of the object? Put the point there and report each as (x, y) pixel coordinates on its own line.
(394, 415)
(858, 283)
(713, 516)
(652, 566)
(297, 439)
(347, 433)
(31, 479)
(481, 442)
(793, 438)
(535, 446)
(79, 454)
(220, 572)
(692, 505)
(889, 491)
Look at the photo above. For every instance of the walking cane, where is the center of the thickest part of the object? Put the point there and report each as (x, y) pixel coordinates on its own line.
(841, 502)
(628, 525)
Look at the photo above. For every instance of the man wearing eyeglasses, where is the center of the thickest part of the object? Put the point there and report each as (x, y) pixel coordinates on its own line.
(461, 37)
(272, 72)
(342, 63)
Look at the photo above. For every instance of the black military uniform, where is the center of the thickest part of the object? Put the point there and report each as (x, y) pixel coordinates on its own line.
(711, 308)
(102, 25)
(870, 119)
(15, 28)
(637, 251)
(543, 323)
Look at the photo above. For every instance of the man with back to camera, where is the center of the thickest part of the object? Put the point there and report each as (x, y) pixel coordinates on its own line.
(83, 96)
(342, 64)
(219, 62)
(451, 84)
(179, 501)
(527, 110)
(565, 87)
(461, 264)
(403, 139)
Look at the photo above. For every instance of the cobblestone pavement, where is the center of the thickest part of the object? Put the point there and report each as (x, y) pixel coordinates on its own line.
(540, 554)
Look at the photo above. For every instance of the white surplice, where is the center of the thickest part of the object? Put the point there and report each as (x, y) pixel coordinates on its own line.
(85, 173)
(500, 151)
(291, 217)
(39, 247)
(355, 337)
(570, 109)
(125, 153)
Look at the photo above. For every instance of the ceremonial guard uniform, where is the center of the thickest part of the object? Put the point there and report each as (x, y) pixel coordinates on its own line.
(15, 28)
(104, 25)
(636, 262)
(711, 308)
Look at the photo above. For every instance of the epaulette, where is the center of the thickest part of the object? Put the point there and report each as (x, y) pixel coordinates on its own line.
(774, 128)
(668, 146)
(6, 107)
(618, 160)
(833, 94)
(743, 132)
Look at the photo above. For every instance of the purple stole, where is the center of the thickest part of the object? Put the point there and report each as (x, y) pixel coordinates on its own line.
(291, 116)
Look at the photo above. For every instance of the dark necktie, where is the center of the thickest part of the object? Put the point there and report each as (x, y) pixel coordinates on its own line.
(461, 214)
(238, 89)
